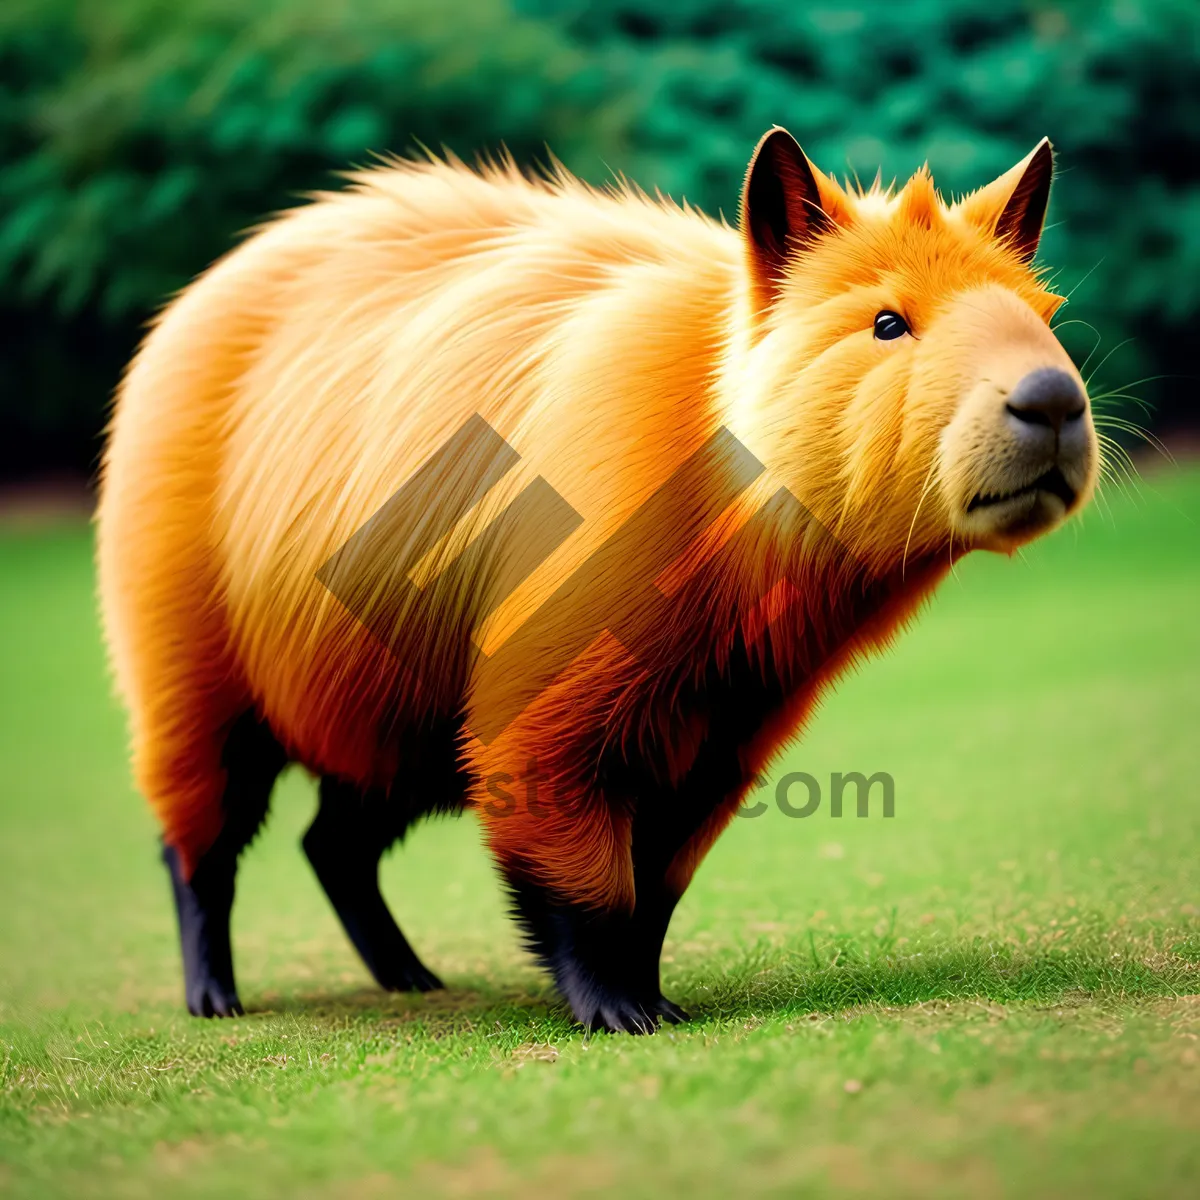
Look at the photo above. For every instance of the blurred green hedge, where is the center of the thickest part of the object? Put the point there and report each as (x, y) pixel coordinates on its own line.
(138, 138)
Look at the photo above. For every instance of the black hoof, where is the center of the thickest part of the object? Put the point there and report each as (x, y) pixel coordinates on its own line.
(607, 1008)
(606, 1011)
(671, 1013)
(622, 1014)
(415, 977)
(605, 963)
(208, 998)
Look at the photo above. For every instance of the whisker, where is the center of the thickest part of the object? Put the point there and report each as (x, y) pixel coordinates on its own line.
(916, 514)
(1095, 346)
(1100, 365)
(1075, 321)
(1111, 421)
(1082, 280)
(1102, 505)
(1118, 469)
(1113, 477)
(1103, 397)
(953, 565)
(1150, 379)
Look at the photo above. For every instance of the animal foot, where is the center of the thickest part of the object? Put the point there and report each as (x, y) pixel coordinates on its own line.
(412, 976)
(671, 1013)
(622, 1014)
(208, 998)
(602, 1008)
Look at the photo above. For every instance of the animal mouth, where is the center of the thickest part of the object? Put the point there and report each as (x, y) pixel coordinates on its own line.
(1052, 481)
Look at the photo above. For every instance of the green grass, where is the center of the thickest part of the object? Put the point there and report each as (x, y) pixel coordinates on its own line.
(993, 993)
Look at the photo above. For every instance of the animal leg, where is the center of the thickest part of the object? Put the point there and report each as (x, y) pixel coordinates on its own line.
(344, 845)
(605, 963)
(204, 901)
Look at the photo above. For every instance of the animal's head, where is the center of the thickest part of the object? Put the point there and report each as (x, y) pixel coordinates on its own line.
(902, 377)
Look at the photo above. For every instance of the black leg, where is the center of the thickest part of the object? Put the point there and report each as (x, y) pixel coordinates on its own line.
(344, 844)
(605, 964)
(252, 759)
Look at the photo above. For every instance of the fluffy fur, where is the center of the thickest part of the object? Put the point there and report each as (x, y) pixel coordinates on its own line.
(292, 389)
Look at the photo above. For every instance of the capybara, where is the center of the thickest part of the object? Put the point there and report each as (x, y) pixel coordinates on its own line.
(468, 489)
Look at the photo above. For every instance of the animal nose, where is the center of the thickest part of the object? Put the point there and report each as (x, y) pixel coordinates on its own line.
(1048, 397)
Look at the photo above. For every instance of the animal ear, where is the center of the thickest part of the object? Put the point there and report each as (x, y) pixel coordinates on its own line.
(1013, 207)
(782, 210)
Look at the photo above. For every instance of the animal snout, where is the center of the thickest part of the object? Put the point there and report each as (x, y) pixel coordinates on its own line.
(1046, 402)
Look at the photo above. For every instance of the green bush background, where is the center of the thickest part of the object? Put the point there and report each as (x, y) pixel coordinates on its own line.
(138, 138)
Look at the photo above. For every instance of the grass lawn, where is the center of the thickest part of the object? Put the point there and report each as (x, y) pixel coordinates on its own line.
(995, 992)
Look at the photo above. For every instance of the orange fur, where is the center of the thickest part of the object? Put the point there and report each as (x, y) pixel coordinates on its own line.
(293, 388)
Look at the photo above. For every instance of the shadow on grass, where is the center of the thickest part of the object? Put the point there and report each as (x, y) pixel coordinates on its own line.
(452, 1004)
(65, 1060)
(770, 982)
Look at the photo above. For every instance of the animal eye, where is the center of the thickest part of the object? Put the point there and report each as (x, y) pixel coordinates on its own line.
(889, 325)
